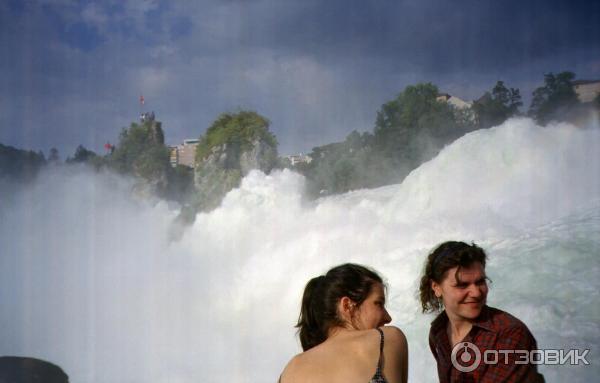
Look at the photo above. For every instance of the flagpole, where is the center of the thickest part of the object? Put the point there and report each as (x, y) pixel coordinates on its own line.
(141, 104)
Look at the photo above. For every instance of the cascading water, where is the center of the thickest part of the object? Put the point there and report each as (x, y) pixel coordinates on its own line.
(90, 281)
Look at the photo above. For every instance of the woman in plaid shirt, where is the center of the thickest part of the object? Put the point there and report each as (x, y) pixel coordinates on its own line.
(454, 283)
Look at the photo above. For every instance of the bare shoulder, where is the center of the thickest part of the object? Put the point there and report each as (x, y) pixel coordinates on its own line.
(288, 375)
(394, 336)
(395, 349)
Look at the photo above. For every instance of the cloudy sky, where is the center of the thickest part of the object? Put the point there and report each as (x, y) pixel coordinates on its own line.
(72, 72)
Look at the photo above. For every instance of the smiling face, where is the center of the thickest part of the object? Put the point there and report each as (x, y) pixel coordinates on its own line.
(372, 313)
(464, 293)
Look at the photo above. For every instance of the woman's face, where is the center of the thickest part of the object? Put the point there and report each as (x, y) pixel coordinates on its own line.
(464, 293)
(372, 313)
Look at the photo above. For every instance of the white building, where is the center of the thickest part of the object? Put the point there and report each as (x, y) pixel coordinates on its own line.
(454, 101)
(587, 90)
(184, 154)
(296, 159)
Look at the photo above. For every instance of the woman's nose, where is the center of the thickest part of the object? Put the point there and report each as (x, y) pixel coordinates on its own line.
(387, 318)
(475, 291)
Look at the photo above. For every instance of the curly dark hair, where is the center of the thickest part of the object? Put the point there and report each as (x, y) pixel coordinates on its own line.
(446, 256)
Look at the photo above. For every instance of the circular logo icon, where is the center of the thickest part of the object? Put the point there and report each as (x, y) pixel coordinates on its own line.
(469, 355)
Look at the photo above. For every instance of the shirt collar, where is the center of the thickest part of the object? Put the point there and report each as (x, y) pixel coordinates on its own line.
(484, 321)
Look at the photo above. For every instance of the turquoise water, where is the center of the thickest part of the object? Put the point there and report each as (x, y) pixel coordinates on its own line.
(90, 281)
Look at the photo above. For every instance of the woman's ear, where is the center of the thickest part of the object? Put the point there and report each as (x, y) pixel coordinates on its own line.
(346, 307)
(437, 289)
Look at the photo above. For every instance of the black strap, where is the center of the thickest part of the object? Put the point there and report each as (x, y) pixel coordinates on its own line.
(380, 348)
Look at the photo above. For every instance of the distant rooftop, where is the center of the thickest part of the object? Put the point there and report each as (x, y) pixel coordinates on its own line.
(583, 82)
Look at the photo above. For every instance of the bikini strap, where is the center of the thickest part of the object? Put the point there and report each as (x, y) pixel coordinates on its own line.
(380, 348)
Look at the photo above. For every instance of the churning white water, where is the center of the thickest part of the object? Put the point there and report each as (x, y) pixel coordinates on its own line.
(90, 281)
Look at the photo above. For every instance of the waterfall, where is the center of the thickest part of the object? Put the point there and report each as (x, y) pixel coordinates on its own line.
(89, 279)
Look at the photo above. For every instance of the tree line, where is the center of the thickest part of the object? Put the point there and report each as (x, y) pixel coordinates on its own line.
(408, 130)
(413, 127)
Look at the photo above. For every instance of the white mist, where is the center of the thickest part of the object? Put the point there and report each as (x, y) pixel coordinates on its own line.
(90, 281)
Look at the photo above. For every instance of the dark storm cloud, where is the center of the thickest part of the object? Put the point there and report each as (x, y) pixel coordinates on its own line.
(439, 36)
(71, 72)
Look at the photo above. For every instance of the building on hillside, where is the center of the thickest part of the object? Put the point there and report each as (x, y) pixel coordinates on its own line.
(184, 154)
(465, 111)
(586, 90)
(187, 152)
(454, 101)
(296, 159)
(173, 156)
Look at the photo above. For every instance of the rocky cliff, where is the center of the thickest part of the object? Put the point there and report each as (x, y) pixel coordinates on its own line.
(233, 146)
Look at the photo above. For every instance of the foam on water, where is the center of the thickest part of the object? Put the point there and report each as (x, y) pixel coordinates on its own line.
(90, 281)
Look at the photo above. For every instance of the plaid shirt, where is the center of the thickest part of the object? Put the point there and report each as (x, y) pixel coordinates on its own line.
(492, 330)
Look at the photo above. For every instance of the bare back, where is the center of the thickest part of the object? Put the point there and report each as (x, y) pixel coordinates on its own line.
(351, 357)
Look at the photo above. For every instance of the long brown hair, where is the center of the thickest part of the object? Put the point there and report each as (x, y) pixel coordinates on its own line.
(318, 312)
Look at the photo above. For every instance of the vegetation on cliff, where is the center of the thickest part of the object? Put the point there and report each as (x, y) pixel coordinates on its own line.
(235, 129)
(495, 107)
(408, 130)
(232, 146)
(416, 125)
(556, 99)
(21, 165)
(141, 151)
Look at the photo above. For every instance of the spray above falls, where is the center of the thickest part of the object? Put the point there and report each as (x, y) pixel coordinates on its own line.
(90, 281)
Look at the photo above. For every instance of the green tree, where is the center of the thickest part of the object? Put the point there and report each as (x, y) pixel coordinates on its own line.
(141, 152)
(494, 108)
(347, 165)
(232, 146)
(412, 127)
(556, 100)
(239, 130)
(20, 165)
(81, 155)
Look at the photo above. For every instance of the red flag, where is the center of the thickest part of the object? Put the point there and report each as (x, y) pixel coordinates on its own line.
(108, 146)
(141, 100)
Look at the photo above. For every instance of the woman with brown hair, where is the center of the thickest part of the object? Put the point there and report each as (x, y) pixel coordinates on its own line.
(454, 285)
(342, 332)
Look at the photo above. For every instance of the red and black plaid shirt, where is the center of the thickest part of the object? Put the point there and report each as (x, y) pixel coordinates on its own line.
(492, 330)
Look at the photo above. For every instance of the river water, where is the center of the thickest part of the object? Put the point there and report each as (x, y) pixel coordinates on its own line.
(89, 279)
